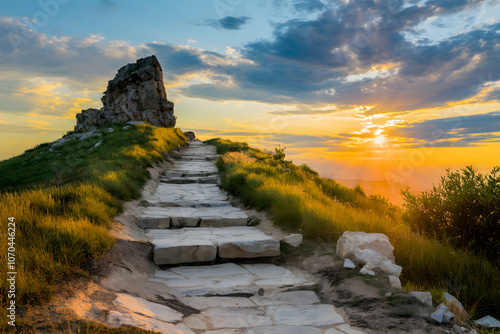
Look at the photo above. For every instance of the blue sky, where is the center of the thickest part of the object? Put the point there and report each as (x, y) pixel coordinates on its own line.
(355, 80)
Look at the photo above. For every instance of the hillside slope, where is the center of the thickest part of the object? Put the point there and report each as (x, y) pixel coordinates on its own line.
(323, 209)
(62, 197)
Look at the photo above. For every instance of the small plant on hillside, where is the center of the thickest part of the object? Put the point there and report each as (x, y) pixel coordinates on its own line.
(465, 207)
(279, 154)
(278, 158)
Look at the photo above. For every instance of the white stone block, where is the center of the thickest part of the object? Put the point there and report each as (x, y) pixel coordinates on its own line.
(147, 308)
(366, 271)
(349, 264)
(423, 297)
(250, 247)
(488, 321)
(221, 317)
(287, 298)
(394, 282)
(184, 252)
(304, 315)
(442, 314)
(284, 330)
(351, 241)
(294, 240)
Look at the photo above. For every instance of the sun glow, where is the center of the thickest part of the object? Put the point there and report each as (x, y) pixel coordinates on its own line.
(380, 140)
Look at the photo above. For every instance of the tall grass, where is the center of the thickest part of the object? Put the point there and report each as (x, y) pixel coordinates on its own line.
(63, 200)
(323, 209)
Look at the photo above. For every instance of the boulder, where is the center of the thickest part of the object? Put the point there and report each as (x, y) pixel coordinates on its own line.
(442, 314)
(349, 264)
(136, 95)
(350, 241)
(395, 282)
(366, 270)
(294, 240)
(488, 321)
(357, 246)
(455, 306)
(423, 297)
(190, 136)
(377, 261)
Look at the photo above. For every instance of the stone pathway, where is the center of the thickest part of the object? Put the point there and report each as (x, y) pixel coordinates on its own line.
(189, 221)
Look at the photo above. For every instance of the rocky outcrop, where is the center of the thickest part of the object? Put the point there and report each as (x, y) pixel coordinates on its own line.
(137, 93)
(373, 251)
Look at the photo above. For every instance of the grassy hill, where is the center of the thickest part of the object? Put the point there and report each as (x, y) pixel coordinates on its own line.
(63, 196)
(323, 209)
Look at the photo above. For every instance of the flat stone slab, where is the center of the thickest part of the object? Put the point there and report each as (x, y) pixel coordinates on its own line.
(118, 318)
(229, 279)
(226, 317)
(193, 179)
(193, 165)
(147, 308)
(284, 330)
(199, 156)
(304, 315)
(184, 252)
(171, 195)
(287, 298)
(170, 173)
(188, 245)
(199, 216)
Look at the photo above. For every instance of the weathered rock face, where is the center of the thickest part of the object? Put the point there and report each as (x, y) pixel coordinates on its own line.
(137, 93)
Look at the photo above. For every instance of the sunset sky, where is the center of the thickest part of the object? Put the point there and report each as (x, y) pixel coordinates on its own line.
(357, 89)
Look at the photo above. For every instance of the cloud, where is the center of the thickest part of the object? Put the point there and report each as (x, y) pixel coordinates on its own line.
(91, 60)
(233, 23)
(273, 139)
(458, 131)
(309, 5)
(227, 23)
(357, 53)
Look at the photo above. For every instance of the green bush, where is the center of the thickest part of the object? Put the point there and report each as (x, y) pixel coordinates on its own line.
(464, 207)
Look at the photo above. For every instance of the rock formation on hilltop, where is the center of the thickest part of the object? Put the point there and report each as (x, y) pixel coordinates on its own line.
(137, 93)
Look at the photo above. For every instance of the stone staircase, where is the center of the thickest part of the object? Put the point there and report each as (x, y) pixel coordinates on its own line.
(192, 225)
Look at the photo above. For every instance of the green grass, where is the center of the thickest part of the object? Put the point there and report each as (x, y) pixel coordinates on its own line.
(63, 202)
(322, 209)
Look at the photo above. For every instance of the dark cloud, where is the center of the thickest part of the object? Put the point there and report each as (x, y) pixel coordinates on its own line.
(233, 23)
(227, 23)
(309, 5)
(458, 131)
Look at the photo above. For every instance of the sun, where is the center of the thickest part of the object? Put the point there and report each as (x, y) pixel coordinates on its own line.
(380, 140)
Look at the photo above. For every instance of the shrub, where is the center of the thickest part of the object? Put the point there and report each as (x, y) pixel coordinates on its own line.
(464, 207)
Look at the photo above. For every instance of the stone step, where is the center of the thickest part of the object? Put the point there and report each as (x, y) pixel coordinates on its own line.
(304, 319)
(193, 194)
(231, 280)
(170, 174)
(202, 157)
(189, 245)
(205, 150)
(194, 168)
(187, 180)
(177, 217)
